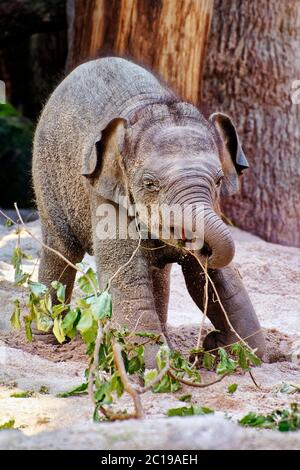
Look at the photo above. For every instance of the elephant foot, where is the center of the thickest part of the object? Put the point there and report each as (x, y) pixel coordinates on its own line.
(216, 339)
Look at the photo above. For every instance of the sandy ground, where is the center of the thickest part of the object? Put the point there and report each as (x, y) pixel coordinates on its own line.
(271, 274)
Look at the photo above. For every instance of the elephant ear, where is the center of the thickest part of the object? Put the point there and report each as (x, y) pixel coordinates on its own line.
(233, 159)
(102, 161)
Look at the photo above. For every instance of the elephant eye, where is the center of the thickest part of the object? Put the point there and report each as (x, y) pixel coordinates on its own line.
(150, 183)
(219, 180)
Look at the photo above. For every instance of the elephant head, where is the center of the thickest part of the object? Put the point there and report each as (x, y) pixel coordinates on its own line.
(169, 154)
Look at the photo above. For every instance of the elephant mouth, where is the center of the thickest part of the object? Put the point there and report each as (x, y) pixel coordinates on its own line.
(191, 243)
(206, 251)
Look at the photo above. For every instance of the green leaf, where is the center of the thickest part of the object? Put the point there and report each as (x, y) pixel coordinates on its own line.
(37, 288)
(136, 364)
(17, 257)
(239, 350)
(184, 367)
(44, 390)
(282, 420)
(60, 290)
(88, 282)
(161, 356)
(117, 385)
(257, 421)
(7, 425)
(102, 306)
(87, 326)
(58, 330)
(147, 334)
(253, 359)
(245, 356)
(208, 360)
(21, 278)
(28, 330)
(15, 318)
(43, 322)
(8, 223)
(226, 365)
(103, 394)
(46, 304)
(187, 398)
(86, 321)
(232, 388)
(189, 411)
(149, 376)
(166, 385)
(80, 389)
(70, 321)
(58, 309)
(96, 417)
(24, 394)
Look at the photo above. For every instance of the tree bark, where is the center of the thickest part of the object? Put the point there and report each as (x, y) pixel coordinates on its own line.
(169, 36)
(252, 60)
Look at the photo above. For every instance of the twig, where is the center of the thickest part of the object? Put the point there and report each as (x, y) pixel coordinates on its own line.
(132, 333)
(128, 387)
(204, 312)
(47, 247)
(235, 342)
(253, 380)
(190, 383)
(217, 295)
(124, 265)
(220, 302)
(158, 378)
(95, 363)
(38, 240)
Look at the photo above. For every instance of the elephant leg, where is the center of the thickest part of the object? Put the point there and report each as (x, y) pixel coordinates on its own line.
(132, 292)
(235, 301)
(161, 292)
(54, 268)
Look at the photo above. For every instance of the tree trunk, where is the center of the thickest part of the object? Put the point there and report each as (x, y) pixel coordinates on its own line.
(253, 59)
(169, 36)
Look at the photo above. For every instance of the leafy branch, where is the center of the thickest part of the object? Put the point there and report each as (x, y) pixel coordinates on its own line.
(115, 355)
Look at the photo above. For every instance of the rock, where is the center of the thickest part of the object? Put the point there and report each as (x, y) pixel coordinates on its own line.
(190, 433)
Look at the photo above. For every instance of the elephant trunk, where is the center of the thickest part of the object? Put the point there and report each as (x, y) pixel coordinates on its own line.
(218, 242)
(203, 232)
(211, 238)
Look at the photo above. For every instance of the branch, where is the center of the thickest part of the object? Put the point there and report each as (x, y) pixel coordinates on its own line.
(205, 310)
(219, 300)
(38, 240)
(124, 265)
(158, 378)
(193, 384)
(128, 387)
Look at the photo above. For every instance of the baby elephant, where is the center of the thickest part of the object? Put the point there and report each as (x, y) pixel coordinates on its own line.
(112, 132)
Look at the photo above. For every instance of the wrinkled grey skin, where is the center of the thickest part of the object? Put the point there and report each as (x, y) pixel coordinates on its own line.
(112, 129)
